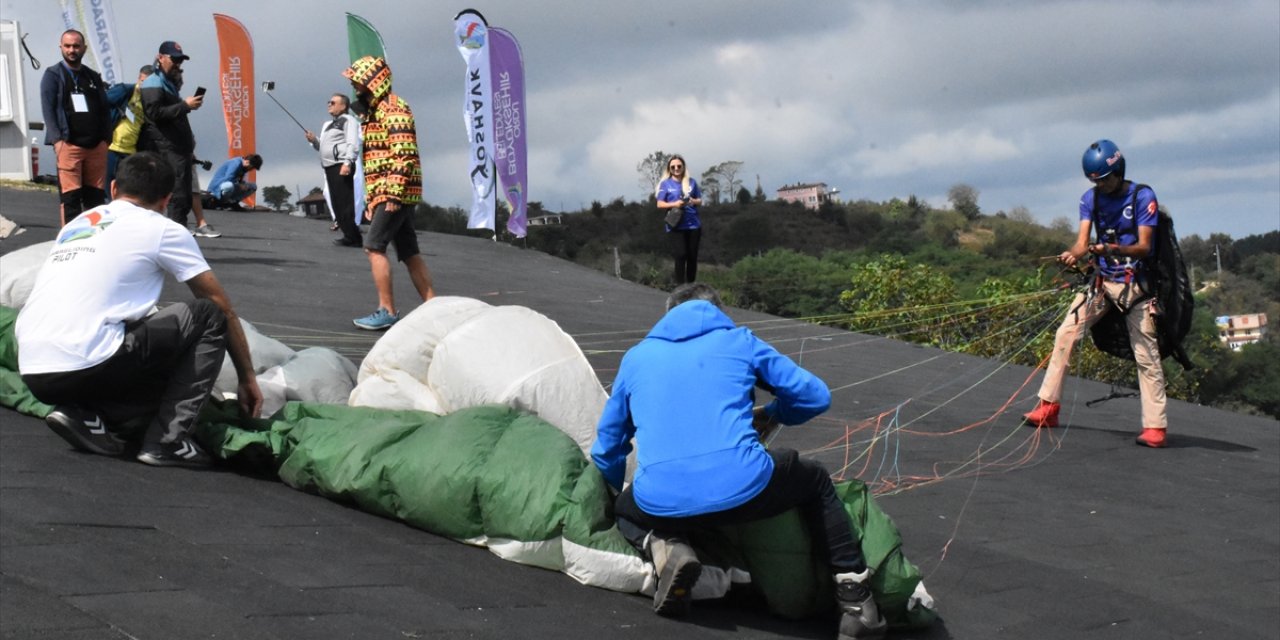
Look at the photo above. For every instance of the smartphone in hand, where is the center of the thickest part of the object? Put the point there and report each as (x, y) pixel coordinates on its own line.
(200, 91)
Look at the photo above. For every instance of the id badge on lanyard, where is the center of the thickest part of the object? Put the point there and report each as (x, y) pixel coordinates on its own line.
(79, 103)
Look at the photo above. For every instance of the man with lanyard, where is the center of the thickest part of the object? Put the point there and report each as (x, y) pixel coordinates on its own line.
(77, 119)
(1125, 216)
(339, 144)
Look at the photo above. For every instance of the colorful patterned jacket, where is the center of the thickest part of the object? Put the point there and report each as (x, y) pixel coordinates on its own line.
(392, 170)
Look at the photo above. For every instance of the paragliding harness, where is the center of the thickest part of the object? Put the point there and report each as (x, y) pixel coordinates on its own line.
(1166, 282)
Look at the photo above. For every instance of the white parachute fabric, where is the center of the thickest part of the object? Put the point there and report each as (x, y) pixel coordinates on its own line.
(18, 271)
(518, 357)
(318, 374)
(409, 344)
(452, 353)
(394, 373)
(315, 374)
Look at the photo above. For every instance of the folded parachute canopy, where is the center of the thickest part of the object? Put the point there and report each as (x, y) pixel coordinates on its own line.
(501, 478)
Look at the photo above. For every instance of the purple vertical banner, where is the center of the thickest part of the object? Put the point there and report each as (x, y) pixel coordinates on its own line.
(511, 155)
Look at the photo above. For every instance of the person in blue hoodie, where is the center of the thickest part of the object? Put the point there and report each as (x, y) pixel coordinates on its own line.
(686, 396)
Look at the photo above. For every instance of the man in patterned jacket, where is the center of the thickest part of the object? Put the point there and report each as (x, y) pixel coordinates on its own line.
(392, 183)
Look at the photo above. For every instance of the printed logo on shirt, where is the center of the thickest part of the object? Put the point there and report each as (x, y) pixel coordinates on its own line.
(76, 230)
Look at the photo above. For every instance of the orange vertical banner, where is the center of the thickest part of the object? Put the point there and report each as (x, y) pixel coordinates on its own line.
(235, 77)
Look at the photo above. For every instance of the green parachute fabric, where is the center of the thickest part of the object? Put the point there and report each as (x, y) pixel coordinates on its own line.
(498, 477)
(507, 480)
(13, 391)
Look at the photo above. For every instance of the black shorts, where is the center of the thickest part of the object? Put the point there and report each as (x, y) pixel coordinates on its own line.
(394, 227)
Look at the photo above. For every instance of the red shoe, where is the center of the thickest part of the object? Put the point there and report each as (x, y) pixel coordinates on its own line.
(1153, 438)
(1044, 415)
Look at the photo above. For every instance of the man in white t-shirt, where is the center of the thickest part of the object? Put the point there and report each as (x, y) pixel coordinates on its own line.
(87, 345)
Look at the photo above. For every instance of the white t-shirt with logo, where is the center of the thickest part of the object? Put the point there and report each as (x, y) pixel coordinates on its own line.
(107, 267)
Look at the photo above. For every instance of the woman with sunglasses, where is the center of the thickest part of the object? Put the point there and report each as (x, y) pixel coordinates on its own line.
(679, 197)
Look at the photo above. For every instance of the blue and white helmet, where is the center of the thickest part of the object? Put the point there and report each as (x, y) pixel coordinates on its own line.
(1101, 159)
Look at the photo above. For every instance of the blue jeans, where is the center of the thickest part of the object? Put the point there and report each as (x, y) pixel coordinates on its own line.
(233, 192)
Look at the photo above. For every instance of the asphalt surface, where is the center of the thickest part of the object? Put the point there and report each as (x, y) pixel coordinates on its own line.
(1074, 533)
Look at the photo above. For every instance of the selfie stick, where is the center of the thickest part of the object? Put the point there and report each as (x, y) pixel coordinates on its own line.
(266, 88)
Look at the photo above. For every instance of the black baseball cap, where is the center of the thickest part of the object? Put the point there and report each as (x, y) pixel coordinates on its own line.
(173, 50)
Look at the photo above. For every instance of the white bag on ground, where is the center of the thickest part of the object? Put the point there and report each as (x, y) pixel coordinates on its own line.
(18, 271)
(314, 374)
(319, 375)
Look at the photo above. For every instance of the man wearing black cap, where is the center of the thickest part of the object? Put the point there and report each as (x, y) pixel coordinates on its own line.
(167, 130)
(77, 119)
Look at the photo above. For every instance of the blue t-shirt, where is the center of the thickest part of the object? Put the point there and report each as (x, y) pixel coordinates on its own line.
(670, 191)
(1117, 222)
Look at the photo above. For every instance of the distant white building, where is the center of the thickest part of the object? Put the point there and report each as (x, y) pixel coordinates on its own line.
(1237, 331)
(550, 218)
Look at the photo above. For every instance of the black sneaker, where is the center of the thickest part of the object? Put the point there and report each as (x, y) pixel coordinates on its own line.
(678, 569)
(179, 453)
(861, 618)
(84, 430)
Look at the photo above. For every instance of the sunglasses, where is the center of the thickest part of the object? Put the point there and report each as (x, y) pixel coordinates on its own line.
(675, 166)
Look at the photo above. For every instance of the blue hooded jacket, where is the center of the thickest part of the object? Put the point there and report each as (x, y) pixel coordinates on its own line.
(685, 394)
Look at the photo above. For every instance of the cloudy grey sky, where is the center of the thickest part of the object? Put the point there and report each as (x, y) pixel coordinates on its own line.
(880, 99)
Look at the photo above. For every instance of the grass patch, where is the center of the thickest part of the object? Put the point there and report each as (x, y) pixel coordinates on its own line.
(27, 185)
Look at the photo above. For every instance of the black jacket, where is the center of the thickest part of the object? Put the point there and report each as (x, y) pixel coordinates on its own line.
(55, 100)
(167, 129)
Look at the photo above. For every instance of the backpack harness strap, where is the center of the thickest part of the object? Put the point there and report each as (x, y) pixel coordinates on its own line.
(1124, 304)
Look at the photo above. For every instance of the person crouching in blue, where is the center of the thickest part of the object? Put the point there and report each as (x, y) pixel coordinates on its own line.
(228, 185)
(700, 460)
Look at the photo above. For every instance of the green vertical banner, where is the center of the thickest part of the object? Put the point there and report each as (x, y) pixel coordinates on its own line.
(363, 39)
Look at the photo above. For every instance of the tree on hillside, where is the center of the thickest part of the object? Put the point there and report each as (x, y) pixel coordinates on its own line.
(276, 197)
(917, 209)
(710, 186)
(727, 175)
(744, 196)
(787, 283)
(1022, 214)
(964, 198)
(1268, 242)
(944, 227)
(1063, 224)
(650, 170)
(890, 296)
